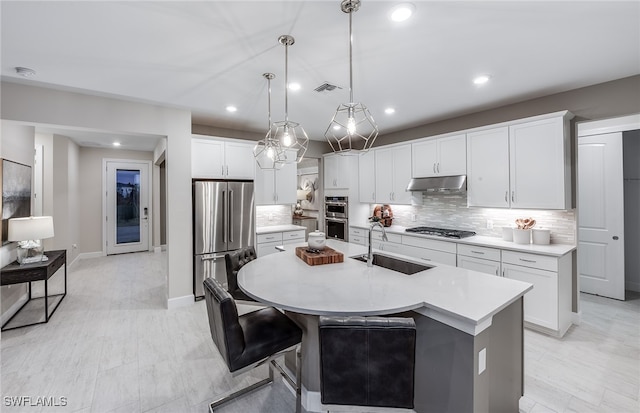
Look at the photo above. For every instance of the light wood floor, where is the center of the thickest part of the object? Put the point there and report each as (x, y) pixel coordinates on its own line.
(112, 347)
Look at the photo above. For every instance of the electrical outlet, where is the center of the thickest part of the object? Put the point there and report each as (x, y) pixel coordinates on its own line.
(74, 246)
(414, 217)
(270, 217)
(489, 224)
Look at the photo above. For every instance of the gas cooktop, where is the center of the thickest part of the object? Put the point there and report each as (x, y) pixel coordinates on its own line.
(441, 232)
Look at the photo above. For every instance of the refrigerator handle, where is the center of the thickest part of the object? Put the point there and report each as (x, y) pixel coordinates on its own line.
(224, 214)
(230, 220)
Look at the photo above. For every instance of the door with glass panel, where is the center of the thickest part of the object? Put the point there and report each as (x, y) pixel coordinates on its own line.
(128, 214)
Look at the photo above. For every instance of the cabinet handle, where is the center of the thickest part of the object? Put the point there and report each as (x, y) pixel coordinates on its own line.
(496, 272)
(438, 167)
(222, 170)
(513, 196)
(434, 167)
(477, 252)
(506, 194)
(503, 272)
(524, 260)
(425, 259)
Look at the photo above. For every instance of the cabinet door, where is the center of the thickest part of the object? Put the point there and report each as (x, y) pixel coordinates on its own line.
(384, 175)
(239, 159)
(452, 155)
(336, 172)
(480, 265)
(207, 158)
(285, 184)
(401, 174)
(367, 178)
(540, 303)
(538, 162)
(488, 168)
(424, 158)
(264, 187)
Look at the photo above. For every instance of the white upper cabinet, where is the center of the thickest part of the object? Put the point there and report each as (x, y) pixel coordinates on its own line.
(523, 165)
(221, 159)
(367, 177)
(276, 186)
(336, 171)
(488, 168)
(392, 174)
(540, 165)
(440, 157)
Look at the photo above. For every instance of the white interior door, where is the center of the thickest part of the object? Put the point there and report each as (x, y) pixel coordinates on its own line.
(601, 215)
(127, 206)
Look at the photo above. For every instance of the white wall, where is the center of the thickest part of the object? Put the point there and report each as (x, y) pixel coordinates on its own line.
(16, 144)
(35, 105)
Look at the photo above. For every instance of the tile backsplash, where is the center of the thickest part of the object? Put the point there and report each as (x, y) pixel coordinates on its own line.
(451, 211)
(269, 215)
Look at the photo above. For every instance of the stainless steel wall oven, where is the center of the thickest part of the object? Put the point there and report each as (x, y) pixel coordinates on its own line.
(336, 217)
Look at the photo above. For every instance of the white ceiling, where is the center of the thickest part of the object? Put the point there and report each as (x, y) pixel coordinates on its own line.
(205, 55)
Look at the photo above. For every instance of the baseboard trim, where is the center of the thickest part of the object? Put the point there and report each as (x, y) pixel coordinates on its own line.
(178, 302)
(88, 255)
(14, 308)
(576, 318)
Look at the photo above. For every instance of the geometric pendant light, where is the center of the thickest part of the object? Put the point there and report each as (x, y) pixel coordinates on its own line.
(268, 153)
(292, 138)
(352, 128)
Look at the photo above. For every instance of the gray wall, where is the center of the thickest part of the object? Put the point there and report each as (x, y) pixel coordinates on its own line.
(631, 154)
(616, 98)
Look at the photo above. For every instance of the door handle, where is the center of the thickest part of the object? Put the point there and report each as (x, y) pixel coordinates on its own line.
(224, 214)
(211, 257)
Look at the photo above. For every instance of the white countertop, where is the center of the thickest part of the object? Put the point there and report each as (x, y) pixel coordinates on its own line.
(463, 299)
(555, 250)
(278, 228)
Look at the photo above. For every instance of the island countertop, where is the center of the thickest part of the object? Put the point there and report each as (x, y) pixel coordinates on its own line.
(460, 298)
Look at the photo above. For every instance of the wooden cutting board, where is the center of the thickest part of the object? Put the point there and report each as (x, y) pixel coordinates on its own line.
(325, 256)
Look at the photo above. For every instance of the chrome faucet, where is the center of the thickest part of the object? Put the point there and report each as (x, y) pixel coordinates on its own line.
(384, 238)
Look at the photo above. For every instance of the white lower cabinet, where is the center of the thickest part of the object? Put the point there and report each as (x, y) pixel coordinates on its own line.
(547, 306)
(266, 243)
(430, 250)
(359, 236)
(481, 259)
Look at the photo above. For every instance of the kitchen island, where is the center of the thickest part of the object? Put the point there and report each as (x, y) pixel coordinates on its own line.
(469, 354)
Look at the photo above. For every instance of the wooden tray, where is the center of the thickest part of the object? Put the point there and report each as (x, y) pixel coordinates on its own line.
(326, 256)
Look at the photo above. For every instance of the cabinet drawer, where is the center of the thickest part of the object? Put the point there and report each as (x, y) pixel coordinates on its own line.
(356, 239)
(293, 235)
(431, 244)
(377, 235)
(485, 253)
(267, 248)
(358, 232)
(272, 237)
(541, 262)
(479, 264)
(430, 255)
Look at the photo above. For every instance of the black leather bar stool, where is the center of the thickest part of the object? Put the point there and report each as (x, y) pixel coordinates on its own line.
(367, 361)
(235, 260)
(250, 340)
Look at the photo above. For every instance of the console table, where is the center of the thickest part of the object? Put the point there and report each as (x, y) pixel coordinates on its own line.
(15, 273)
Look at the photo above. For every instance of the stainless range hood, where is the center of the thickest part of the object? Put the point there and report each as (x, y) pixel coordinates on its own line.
(457, 183)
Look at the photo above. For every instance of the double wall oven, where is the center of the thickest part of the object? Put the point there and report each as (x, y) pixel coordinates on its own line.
(336, 217)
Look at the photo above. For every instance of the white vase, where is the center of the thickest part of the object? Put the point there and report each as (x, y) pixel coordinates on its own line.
(541, 236)
(507, 233)
(522, 236)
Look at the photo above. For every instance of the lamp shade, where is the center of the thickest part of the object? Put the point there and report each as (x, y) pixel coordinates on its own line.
(31, 228)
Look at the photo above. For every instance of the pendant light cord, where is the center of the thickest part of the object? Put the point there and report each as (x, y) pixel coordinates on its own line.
(350, 59)
(286, 82)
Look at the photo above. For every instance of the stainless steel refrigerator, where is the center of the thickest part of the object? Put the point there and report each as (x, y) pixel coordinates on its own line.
(223, 220)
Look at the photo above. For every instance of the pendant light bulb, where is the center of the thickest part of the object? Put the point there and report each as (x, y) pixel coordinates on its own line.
(270, 153)
(286, 137)
(351, 126)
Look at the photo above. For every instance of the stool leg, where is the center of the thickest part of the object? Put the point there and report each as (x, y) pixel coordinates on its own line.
(298, 379)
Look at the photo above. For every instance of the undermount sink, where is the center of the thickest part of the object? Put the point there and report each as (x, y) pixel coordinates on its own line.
(395, 264)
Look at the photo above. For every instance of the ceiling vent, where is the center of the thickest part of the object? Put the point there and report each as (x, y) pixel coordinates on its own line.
(326, 86)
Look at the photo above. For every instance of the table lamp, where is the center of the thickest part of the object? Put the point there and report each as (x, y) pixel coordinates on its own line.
(29, 232)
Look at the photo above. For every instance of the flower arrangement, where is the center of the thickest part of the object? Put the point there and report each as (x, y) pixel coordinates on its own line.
(383, 214)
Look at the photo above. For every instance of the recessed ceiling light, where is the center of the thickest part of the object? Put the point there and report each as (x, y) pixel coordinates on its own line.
(401, 12)
(336, 127)
(25, 71)
(294, 86)
(389, 111)
(481, 80)
(116, 143)
(231, 108)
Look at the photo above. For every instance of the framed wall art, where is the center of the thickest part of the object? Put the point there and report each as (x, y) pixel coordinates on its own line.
(16, 193)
